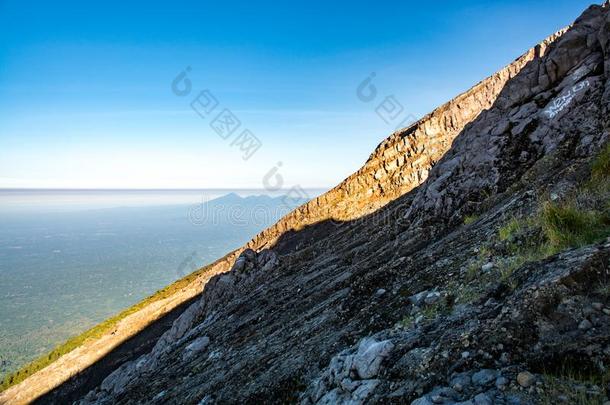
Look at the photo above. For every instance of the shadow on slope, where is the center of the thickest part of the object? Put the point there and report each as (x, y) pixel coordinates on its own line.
(86, 380)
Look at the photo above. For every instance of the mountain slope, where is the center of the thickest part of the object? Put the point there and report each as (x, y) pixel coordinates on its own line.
(379, 292)
(396, 300)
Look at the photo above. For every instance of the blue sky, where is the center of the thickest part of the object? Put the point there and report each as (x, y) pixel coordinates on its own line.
(86, 100)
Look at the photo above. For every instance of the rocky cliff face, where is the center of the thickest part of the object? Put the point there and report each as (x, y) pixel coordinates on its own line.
(403, 161)
(466, 262)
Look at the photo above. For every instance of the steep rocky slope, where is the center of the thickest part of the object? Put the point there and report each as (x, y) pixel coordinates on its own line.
(465, 262)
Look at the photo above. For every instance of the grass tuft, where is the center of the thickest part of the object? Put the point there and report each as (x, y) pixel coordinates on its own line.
(509, 230)
(507, 267)
(470, 219)
(579, 220)
(565, 225)
(601, 165)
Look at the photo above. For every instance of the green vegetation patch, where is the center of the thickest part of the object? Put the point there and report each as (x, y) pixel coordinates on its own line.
(600, 168)
(470, 219)
(567, 225)
(581, 218)
(429, 312)
(513, 227)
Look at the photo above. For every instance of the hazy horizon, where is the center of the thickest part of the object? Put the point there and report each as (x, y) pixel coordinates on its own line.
(53, 200)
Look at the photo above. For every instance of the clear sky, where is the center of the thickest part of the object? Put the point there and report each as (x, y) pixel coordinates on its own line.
(86, 95)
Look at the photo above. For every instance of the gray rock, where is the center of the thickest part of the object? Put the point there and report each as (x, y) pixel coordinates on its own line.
(422, 401)
(159, 395)
(445, 392)
(418, 299)
(482, 399)
(207, 400)
(514, 400)
(365, 389)
(180, 327)
(461, 381)
(370, 355)
(487, 267)
(266, 260)
(340, 367)
(239, 265)
(585, 325)
(332, 398)
(484, 377)
(119, 379)
(437, 399)
(432, 298)
(501, 382)
(198, 345)
(349, 385)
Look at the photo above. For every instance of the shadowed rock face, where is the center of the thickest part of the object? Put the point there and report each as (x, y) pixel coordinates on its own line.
(557, 98)
(381, 307)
